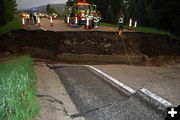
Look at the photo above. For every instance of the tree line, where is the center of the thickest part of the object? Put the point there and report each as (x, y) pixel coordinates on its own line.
(160, 14)
(7, 11)
(50, 10)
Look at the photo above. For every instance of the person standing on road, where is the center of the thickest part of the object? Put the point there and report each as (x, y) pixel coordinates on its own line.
(31, 17)
(35, 17)
(80, 16)
(27, 18)
(90, 16)
(121, 22)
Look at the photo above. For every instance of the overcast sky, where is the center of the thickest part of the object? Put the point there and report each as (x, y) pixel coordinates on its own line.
(23, 4)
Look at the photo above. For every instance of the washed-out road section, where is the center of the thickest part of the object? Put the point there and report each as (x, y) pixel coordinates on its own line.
(96, 99)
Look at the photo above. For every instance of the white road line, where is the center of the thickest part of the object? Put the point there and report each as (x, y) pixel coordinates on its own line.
(143, 90)
(155, 97)
(43, 28)
(112, 79)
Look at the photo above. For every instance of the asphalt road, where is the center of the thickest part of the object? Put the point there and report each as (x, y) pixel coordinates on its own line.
(95, 99)
(59, 25)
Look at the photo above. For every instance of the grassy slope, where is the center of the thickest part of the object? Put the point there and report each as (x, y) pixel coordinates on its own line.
(17, 97)
(13, 25)
(139, 29)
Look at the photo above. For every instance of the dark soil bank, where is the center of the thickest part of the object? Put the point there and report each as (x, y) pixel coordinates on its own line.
(48, 44)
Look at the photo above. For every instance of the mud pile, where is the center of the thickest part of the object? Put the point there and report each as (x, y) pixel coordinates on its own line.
(46, 44)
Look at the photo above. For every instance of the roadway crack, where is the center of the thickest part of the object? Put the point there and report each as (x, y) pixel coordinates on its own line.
(52, 99)
(82, 114)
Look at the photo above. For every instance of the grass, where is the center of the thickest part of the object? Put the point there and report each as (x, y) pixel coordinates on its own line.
(151, 30)
(108, 24)
(13, 25)
(139, 29)
(17, 97)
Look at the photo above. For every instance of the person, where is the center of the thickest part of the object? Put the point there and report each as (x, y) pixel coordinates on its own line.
(97, 18)
(35, 17)
(27, 18)
(31, 17)
(99, 14)
(79, 16)
(90, 16)
(121, 22)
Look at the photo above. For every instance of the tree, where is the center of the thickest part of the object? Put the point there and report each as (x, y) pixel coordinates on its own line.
(160, 14)
(7, 11)
(109, 9)
(50, 10)
(166, 15)
(48, 7)
(70, 3)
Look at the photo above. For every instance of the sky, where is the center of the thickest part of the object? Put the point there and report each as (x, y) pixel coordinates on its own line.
(23, 4)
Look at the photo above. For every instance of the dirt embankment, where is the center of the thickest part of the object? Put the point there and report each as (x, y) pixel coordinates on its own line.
(46, 44)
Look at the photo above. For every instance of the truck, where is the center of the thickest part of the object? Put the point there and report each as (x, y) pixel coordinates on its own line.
(81, 10)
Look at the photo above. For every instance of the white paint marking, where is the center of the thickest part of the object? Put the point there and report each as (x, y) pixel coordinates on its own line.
(157, 98)
(112, 79)
(143, 90)
(43, 28)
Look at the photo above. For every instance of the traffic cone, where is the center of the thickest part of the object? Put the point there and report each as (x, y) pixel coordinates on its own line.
(130, 24)
(87, 24)
(39, 21)
(51, 21)
(76, 21)
(68, 21)
(23, 23)
(135, 24)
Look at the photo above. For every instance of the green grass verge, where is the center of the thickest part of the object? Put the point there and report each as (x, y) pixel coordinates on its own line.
(13, 25)
(139, 29)
(17, 91)
(108, 24)
(151, 30)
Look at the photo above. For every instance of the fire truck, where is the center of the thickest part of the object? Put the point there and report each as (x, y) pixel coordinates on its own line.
(81, 10)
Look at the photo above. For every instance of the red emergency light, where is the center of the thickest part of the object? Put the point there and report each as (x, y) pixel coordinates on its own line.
(81, 3)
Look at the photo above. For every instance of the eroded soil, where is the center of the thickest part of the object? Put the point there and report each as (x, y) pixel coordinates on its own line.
(47, 45)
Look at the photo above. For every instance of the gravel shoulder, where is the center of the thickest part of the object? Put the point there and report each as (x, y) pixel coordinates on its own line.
(54, 101)
(163, 81)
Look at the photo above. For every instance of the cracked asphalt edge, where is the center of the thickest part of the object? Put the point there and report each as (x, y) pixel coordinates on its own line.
(53, 99)
(151, 98)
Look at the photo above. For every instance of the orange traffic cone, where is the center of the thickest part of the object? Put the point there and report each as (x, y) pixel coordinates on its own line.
(39, 21)
(68, 21)
(23, 23)
(51, 21)
(87, 24)
(135, 24)
(130, 24)
(76, 21)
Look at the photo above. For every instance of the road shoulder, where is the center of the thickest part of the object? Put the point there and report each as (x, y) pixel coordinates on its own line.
(55, 104)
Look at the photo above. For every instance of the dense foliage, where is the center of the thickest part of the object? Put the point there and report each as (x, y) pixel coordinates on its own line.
(50, 10)
(7, 10)
(12, 25)
(160, 14)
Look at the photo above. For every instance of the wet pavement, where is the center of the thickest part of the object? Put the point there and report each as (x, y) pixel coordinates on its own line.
(96, 99)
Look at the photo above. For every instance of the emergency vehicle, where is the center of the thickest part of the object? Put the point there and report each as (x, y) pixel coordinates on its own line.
(81, 10)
